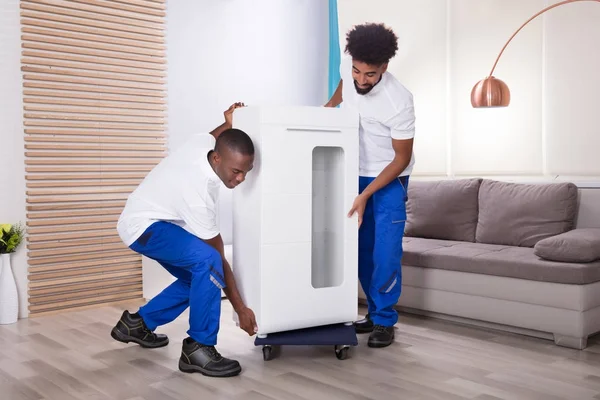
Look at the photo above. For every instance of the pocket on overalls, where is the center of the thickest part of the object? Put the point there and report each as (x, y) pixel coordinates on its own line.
(389, 285)
(216, 276)
(220, 284)
(404, 188)
(398, 214)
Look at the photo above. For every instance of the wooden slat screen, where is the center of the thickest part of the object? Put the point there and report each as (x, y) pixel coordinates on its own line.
(94, 93)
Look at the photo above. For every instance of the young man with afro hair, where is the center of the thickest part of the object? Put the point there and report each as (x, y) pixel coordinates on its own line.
(386, 131)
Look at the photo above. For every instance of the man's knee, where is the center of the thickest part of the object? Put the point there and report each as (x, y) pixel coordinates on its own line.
(205, 255)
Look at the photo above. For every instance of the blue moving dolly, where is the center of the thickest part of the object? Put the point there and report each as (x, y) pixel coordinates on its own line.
(341, 336)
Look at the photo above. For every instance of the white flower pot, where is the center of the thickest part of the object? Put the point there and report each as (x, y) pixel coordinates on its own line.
(9, 300)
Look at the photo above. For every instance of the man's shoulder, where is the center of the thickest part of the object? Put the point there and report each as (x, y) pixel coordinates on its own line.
(397, 92)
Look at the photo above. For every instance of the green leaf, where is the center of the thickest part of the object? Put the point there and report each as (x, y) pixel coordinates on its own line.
(11, 239)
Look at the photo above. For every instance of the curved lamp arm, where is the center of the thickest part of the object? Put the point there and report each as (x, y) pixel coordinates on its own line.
(492, 92)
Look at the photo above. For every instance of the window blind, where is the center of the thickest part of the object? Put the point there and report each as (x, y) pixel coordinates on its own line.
(94, 95)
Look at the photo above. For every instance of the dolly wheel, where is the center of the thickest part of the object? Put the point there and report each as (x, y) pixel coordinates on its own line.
(267, 353)
(341, 352)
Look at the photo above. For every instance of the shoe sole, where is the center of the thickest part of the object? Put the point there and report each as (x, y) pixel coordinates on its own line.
(363, 330)
(121, 337)
(378, 344)
(190, 368)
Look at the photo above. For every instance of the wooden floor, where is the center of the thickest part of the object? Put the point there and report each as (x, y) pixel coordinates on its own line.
(72, 356)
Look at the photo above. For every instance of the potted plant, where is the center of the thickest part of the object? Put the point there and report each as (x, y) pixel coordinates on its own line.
(11, 237)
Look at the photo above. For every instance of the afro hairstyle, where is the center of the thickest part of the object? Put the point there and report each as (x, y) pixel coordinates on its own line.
(371, 43)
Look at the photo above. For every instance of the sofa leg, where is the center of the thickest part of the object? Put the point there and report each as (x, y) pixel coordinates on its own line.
(572, 342)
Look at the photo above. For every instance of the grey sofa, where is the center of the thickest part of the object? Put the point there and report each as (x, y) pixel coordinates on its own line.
(519, 257)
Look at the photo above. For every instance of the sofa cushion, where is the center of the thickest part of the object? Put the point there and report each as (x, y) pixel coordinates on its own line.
(516, 214)
(443, 209)
(577, 245)
(499, 260)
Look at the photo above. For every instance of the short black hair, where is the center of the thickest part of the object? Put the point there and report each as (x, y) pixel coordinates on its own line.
(372, 43)
(235, 140)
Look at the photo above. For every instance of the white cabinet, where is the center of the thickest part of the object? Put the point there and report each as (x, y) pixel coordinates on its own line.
(295, 251)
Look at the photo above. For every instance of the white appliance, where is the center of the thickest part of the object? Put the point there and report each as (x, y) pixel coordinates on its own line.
(295, 251)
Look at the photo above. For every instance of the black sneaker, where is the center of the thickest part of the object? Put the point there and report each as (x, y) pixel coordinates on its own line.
(382, 336)
(196, 357)
(364, 325)
(131, 328)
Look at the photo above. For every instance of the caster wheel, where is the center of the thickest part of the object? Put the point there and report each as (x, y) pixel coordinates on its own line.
(267, 353)
(341, 352)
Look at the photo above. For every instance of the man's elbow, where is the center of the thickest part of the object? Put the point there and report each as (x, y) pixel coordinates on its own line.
(402, 160)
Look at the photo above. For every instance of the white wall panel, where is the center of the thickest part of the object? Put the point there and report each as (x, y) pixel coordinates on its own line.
(502, 141)
(572, 86)
(260, 52)
(12, 151)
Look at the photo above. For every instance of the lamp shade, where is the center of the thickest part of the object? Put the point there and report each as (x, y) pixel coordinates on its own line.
(490, 92)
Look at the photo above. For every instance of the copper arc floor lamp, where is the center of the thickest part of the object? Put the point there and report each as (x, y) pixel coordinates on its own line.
(491, 91)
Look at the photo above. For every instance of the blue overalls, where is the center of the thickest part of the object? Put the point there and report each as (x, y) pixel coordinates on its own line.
(380, 248)
(198, 268)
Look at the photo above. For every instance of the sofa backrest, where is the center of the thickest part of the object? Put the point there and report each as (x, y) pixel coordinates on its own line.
(445, 209)
(517, 214)
(489, 211)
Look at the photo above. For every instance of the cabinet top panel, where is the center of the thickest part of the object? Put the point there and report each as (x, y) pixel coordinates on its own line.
(300, 116)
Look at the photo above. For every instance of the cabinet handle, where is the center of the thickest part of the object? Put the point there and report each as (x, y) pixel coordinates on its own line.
(309, 129)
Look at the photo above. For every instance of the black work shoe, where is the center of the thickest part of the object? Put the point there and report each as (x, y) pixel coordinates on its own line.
(364, 325)
(196, 357)
(132, 328)
(381, 336)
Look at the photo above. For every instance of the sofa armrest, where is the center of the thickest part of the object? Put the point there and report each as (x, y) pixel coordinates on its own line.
(578, 246)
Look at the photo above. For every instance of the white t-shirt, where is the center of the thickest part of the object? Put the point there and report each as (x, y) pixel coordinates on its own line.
(386, 112)
(182, 189)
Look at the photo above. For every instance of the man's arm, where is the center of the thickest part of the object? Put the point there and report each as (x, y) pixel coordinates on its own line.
(220, 129)
(231, 289)
(246, 316)
(336, 99)
(403, 152)
(228, 124)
